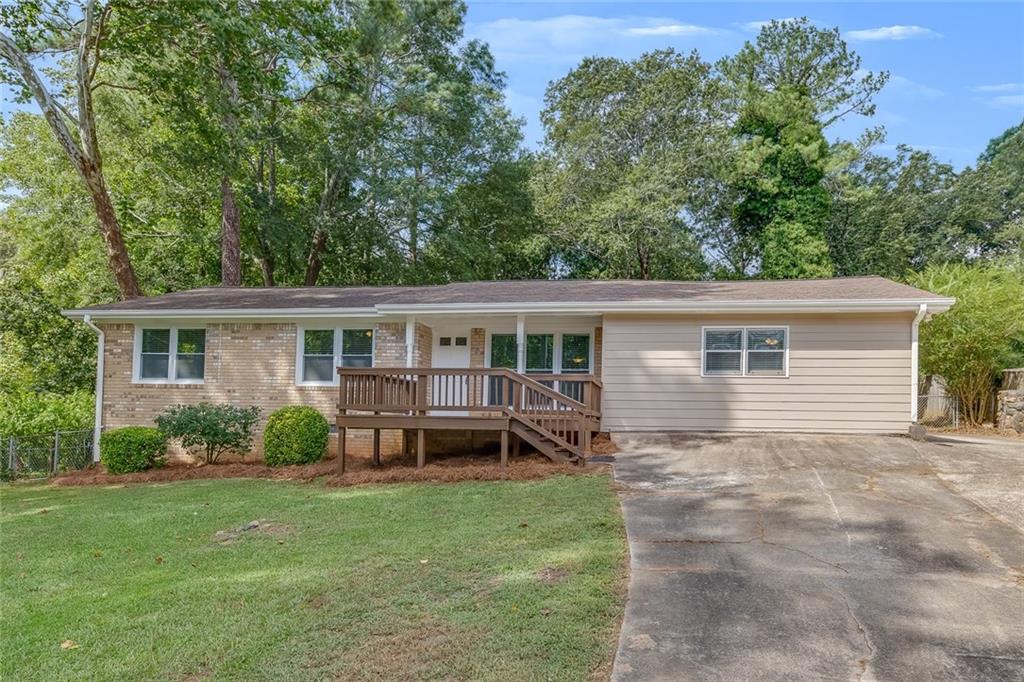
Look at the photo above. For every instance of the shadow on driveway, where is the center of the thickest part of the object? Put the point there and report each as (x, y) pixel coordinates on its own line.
(784, 556)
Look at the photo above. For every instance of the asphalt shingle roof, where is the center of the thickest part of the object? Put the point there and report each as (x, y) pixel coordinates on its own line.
(525, 291)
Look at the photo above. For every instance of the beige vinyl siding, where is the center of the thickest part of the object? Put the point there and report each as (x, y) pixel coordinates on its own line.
(847, 372)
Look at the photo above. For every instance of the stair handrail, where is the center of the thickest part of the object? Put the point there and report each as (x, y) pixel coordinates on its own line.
(578, 409)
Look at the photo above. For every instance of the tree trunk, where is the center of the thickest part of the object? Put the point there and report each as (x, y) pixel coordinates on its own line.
(118, 260)
(314, 262)
(85, 158)
(318, 245)
(230, 236)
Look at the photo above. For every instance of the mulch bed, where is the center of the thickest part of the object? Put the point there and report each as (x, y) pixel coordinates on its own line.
(358, 471)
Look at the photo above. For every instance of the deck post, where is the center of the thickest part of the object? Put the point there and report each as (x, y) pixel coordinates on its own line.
(421, 448)
(504, 448)
(515, 446)
(341, 450)
(376, 447)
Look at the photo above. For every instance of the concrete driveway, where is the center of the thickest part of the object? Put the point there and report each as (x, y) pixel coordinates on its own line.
(798, 557)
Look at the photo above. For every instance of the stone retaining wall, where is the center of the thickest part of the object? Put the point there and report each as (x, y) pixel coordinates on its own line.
(1011, 410)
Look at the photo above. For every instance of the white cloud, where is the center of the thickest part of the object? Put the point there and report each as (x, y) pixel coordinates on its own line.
(670, 30)
(569, 37)
(1007, 102)
(999, 87)
(755, 26)
(892, 33)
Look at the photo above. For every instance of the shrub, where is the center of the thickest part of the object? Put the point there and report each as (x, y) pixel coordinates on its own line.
(209, 429)
(979, 336)
(295, 435)
(132, 448)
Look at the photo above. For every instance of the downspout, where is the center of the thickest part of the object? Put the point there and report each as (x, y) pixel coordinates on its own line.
(98, 416)
(921, 312)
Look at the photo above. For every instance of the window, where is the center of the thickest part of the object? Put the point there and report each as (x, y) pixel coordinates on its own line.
(324, 350)
(576, 353)
(766, 352)
(318, 355)
(746, 351)
(170, 355)
(356, 348)
(540, 353)
(445, 341)
(503, 354)
(460, 341)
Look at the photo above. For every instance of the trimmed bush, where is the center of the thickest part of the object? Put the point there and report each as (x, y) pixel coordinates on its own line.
(132, 448)
(210, 430)
(295, 435)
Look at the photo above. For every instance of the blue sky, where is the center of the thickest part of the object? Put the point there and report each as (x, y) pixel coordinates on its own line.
(957, 70)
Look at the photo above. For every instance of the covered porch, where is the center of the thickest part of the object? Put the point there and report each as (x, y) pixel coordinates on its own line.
(526, 379)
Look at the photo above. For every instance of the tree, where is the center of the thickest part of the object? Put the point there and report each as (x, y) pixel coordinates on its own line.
(222, 78)
(782, 205)
(988, 203)
(796, 55)
(37, 30)
(891, 215)
(980, 335)
(627, 146)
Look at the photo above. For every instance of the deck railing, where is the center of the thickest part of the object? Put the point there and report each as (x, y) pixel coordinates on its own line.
(564, 408)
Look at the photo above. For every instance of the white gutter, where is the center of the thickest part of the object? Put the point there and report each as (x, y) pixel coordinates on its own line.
(233, 313)
(921, 312)
(551, 307)
(97, 425)
(676, 306)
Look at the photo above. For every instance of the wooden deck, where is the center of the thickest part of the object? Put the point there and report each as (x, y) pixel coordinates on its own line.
(555, 413)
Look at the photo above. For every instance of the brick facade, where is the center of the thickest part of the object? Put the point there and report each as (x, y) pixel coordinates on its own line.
(254, 364)
(246, 364)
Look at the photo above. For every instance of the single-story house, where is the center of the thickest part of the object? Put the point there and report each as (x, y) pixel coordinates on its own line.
(540, 361)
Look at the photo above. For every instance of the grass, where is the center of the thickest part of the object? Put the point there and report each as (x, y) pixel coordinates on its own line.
(496, 580)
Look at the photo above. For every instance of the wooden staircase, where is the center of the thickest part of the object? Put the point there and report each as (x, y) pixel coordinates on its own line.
(543, 444)
(535, 409)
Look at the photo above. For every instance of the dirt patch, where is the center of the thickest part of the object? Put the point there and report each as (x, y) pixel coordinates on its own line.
(358, 471)
(551, 575)
(261, 526)
(404, 650)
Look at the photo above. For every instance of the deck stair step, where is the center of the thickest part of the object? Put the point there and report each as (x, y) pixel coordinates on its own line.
(542, 443)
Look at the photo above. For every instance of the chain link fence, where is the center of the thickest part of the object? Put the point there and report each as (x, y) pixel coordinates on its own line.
(938, 411)
(44, 454)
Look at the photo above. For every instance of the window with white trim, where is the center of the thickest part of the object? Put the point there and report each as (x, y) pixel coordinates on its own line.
(745, 351)
(170, 355)
(324, 350)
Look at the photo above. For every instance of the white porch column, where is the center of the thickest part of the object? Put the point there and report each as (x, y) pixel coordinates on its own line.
(410, 339)
(521, 344)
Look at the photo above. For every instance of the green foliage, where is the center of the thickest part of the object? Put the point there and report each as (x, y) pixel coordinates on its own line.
(782, 205)
(42, 349)
(628, 146)
(791, 249)
(796, 55)
(26, 413)
(891, 215)
(211, 430)
(980, 335)
(132, 448)
(295, 435)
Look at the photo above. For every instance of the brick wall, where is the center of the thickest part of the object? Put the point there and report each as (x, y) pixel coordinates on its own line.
(246, 364)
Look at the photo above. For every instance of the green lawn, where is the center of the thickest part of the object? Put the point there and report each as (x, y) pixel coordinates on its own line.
(501, 580)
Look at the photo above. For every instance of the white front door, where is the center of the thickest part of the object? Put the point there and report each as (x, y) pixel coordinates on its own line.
(451, 349)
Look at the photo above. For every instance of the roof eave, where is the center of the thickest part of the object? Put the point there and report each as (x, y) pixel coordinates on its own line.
(935, 305)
